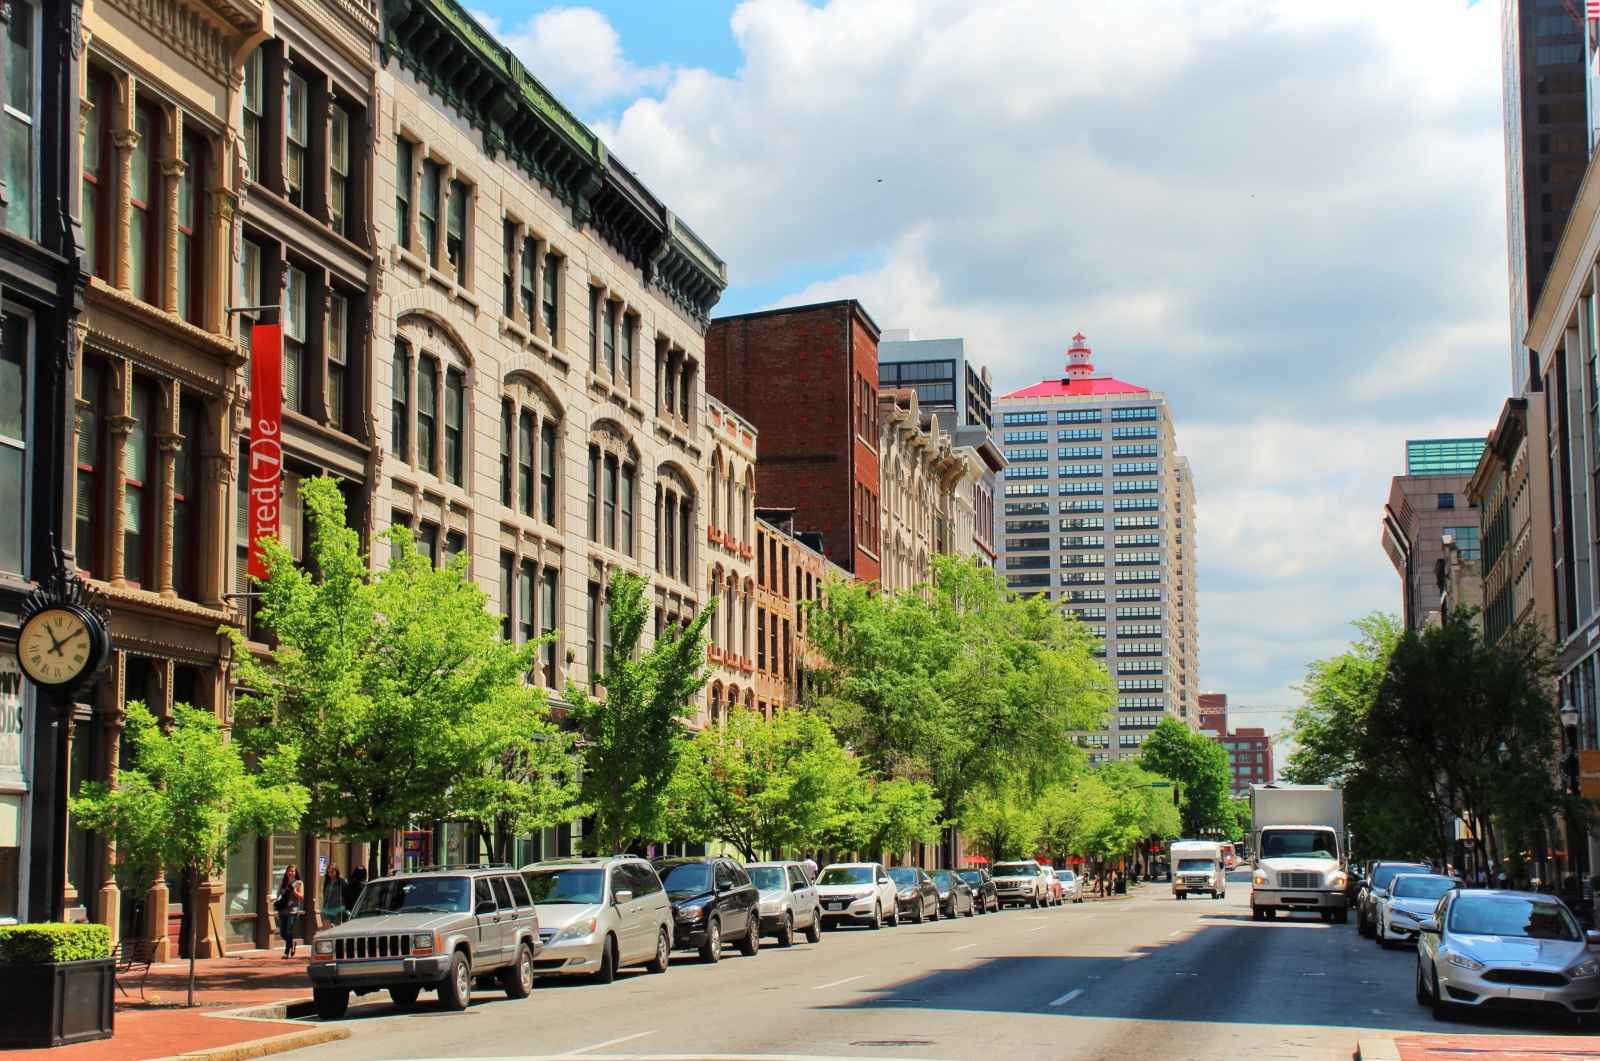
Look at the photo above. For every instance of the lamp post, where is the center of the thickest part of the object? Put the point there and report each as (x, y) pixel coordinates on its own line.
(1580, 841)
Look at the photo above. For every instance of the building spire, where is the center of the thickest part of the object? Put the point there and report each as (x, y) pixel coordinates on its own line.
(1078, 364)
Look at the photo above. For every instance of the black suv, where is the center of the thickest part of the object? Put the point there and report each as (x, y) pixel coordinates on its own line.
(713, 900)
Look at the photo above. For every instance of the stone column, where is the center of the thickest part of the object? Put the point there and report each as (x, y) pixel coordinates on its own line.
(109, 717)
(119, 425)
(172, 170)
(217, 502)
(123, 140)
(167, 441)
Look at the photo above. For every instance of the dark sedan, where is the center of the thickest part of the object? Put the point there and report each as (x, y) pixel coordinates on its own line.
(984, 897)
(713, 899)
(915, 893)
(955, 894)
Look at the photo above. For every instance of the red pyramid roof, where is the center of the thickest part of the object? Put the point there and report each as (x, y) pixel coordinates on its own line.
(1067, 388)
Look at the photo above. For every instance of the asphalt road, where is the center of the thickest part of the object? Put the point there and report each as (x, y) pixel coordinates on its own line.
(1145, 977)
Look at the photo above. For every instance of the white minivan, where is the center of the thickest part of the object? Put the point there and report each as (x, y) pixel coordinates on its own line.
(1198, 867)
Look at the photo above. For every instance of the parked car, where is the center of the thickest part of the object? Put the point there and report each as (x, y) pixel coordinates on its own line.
(1377, 884)
(789, 901)
(955, 894)
(598, 915)
(438, 931)
(1506, 950)
(1058, 891)
(1410, 899)
(915, 893)
(857, 892)
(1072, 884)
(985, 898)
(1020, 883)
(713, 901)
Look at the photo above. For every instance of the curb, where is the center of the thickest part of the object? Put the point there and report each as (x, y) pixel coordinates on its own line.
(1376, 1050)
(275, 1044)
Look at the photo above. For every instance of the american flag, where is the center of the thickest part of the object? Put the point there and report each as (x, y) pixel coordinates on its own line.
(1591, 8)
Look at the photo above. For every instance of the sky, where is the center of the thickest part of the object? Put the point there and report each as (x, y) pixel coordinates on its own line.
(1289, 217)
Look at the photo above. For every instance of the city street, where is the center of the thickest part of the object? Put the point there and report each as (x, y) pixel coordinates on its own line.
(1145, 977)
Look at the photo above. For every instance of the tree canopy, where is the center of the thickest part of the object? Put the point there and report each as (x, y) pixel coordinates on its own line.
(1199, 766)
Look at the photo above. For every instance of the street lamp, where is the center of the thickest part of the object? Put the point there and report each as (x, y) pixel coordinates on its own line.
(1569, 767)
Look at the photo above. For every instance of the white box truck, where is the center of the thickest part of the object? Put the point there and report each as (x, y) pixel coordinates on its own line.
(1198, 868)
(1297, 843)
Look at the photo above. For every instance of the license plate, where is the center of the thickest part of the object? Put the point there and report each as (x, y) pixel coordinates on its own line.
(836, 906)
(1528, 994)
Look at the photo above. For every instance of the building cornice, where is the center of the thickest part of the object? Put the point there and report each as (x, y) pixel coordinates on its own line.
(1569, 271)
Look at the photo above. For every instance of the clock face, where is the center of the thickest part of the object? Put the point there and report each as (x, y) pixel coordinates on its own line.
(55, 646)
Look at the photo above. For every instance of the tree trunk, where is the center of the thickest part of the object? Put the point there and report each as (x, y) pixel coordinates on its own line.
(191, 899)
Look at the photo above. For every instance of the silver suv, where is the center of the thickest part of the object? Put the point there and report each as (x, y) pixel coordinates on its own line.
(788, 901)
(437, 930)
(1020, 883)
(597, 915)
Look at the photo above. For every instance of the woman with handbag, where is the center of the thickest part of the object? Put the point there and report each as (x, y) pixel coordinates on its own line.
(289, 904)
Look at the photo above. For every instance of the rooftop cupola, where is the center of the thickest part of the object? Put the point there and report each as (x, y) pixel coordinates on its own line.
(1078, 364)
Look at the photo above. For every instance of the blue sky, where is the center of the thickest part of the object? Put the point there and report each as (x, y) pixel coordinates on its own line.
(1289, 217)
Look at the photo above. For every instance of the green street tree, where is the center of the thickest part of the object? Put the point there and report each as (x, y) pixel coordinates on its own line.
(1069, 812)
(632, 739)
(1002, 823)
(1199, 766)
(1140, 807)
(764, 786)
(888, 817)
(186, 802)
(394, 692)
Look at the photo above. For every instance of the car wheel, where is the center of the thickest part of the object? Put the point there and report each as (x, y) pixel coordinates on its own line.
(711, 949)
(1422, 985)
(663, 957)
(751, 943)
(517, 979)
(608, 962)
(332, 1002)
(896, 921)
(1036, 902)
(1442, 1010)
(405, 997)
(455, 991)
(786, 936)
(1361, 924)
(877, 916)
(1257, 914)
(972, 908)
(1341, 917)
(814, 930)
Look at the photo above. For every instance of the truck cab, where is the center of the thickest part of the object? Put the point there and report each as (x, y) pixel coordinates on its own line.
(1297, 838)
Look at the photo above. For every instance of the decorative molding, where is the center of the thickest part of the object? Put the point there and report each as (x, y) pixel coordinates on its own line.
(194, 31)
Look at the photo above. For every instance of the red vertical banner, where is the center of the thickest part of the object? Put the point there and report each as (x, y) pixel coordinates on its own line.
(265, 479)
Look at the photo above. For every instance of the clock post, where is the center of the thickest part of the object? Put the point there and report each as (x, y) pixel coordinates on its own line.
(64, 640)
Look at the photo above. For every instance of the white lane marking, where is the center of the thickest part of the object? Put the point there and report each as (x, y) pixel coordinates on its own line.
(1068, 997)
(608, 1042)
(967, 946)
(1041, 928)
(836, 983)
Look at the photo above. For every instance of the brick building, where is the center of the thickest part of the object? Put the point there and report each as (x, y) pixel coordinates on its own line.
(1249, 758)
(1214, 713)
(790, 574)
(807, 378)
(733, 539)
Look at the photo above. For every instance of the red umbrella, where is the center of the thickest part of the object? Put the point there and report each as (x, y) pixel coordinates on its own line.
(977, 860)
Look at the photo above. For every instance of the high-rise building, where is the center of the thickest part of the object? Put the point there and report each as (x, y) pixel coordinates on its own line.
(1098, 512)
(1426, 505)
(806, 377)
(1548, 139)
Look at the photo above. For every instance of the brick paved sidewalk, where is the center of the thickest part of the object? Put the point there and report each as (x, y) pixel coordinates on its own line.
(240, 1005)
(1569, 1047)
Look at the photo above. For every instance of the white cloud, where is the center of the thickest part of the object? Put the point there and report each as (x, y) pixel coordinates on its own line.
(1287, 216)
(576, 52)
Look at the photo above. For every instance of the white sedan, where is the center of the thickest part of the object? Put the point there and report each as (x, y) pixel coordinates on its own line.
(1409, 900)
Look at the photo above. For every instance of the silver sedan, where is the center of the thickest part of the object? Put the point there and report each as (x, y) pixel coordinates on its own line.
(1506, 950)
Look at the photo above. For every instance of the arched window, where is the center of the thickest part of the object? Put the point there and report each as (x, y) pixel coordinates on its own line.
(715, 515)
(440, 420)
(674, 524)
(530, 455)
(613, 487)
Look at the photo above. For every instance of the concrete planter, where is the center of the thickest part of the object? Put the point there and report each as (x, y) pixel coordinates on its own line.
(57, 1003)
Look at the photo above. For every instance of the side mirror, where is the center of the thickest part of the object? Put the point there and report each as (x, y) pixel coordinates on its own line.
(485, 908)
(1428, 924)
(622, 895)
(884, 880)
(1592, 937)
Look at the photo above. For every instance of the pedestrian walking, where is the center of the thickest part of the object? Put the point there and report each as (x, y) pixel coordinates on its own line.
(333, 909)
(353, 886)
(288, 905)
(811, 868)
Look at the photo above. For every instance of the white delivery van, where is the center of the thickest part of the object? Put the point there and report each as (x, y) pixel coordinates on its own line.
(1297, 840)
(1198, 868)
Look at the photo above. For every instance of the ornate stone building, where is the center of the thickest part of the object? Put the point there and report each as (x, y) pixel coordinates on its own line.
(539, 330)
(926, 509)
(732, 549)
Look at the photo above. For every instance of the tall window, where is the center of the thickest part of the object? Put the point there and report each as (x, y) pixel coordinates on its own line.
(611, 477)
(137, 456)
(684, 391)
(527, 628)
(508, 266)
(629, 475)
(669, 525)
(428, 210)
(525, 280)
(338, 359)
(508, 589)
(186, 529)
(338, 168)
(297, 137)
(249, 288)
(595, 295)
(456, 232)
(552, 289)
(88, 515)
(400, 402)
(455, 415)
(508, 429)
(254, 112)
(548, 596)
(594, 634)
(670, 374)
(21, 108)
(761, 639)
(95, 199)
(594, 493)
(629, 328)
(404, 160)
(190, 228)
(547, 472)
(427, 413)
(294, 337)
(608, 336)
(685, 538)
(525, 460)
(15, 347)
(143, 233)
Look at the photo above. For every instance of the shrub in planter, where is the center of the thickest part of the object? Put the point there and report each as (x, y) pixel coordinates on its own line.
(59, 983)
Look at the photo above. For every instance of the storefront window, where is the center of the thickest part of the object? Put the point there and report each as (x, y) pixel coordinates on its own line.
(13, 785)
(239, 894)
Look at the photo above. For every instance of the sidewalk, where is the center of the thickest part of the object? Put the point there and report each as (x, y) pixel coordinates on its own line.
(1578, 1045)
(241, 1003)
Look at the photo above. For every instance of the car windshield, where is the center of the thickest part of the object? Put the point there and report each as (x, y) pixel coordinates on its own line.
(1195, 865)
(972, 877)
(1384, 874)
(941, 878)
(415, 895)
(904, 876)
(1066, 875)
(579, 887)
(1017, 869)
(1512, 915)
(769, 878)
(1422, 887)
(1299, 843)
(846, 875)
(690, 878)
